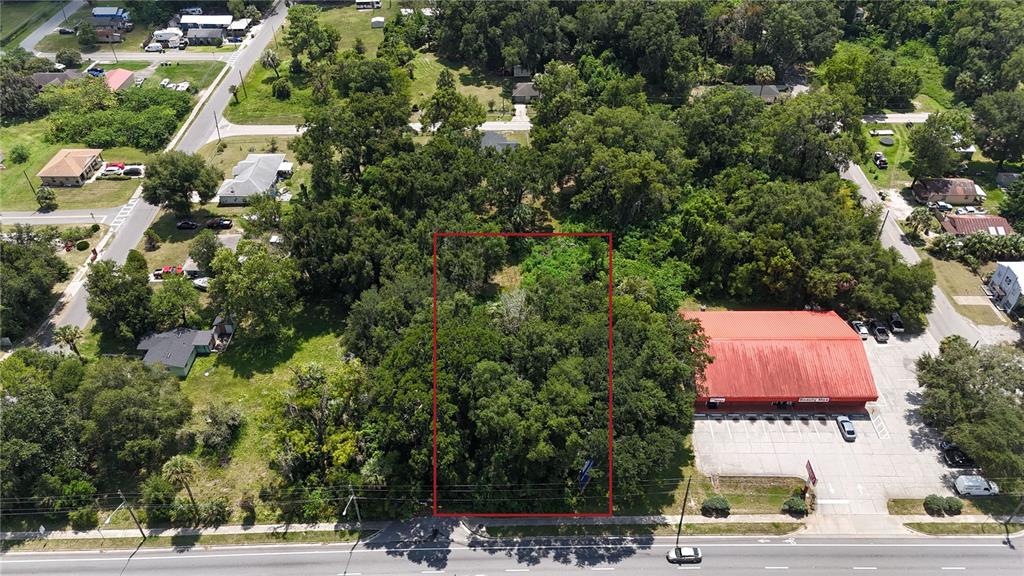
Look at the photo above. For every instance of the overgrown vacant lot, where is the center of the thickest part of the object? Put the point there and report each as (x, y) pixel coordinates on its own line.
(15, 192)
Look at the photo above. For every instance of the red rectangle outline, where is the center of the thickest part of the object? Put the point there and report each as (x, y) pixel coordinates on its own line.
(611, 284)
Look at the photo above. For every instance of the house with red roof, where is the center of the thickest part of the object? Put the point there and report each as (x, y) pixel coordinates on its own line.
(119, 79)
(963, 225)
(782, 361)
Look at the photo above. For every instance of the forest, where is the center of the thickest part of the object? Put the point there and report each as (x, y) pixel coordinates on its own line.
(719, 198)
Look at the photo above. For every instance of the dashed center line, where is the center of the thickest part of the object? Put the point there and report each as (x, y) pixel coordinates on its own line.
(603, 568)
(776, 567)
(864, 568)
(954, 568)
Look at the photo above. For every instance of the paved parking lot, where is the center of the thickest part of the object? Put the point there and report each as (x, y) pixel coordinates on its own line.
(894, 455)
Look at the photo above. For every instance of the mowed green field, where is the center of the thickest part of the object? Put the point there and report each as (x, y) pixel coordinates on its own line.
(19, 18)
(53, 42)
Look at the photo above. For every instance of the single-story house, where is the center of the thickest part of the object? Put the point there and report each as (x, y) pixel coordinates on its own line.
(769, 93)
(220, 22)
(788, 361)
(239, 27)
(963, 225)
(204, 36)
(71, 167)
(176, 349)
(1005, 179)
(111, 17)
(524, 93)
(257, 174)
(119, 79)
(1007, 286)
(44, 79)
(109, 36)
(377, 22)
(497, 141)
(951, 190)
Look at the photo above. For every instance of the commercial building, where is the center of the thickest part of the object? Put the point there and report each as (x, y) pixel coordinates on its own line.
(1007, 287)
(71, 167)
(782, 362)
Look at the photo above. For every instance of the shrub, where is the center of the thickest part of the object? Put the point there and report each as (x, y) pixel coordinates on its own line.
(715, 507)
(46, 198)
(19, 153)
(84, 518)
(74, 234)
(182, 512)
(152, 239)
(94, 228)
(281, 89)
(215, 512)
(82, 245)
(952, 505)
(221, 425)
(934, 505)
(70, 58)
(794, 506)
(157, 499)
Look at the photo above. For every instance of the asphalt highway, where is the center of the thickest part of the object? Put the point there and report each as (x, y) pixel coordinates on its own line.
(722, 556)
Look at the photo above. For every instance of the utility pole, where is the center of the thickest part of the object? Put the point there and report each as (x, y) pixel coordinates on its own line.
(114, 53)
(132, 512)
(882, 227)
(242, 82)
(29, 180)
(682, 511)
(352, 499)
(217, 126)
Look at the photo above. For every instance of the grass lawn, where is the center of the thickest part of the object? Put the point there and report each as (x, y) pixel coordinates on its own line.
(198, 74)
(983, 171)
(238, 147)
(898, 155)
(957, 529)
(251, 376)
(21, 18)
(15, 193)
(922, 57)
(955, 279)
(723, 528)
(427, 68)
(990, 506)
(174, 244)
(132, 40)
(184, 541)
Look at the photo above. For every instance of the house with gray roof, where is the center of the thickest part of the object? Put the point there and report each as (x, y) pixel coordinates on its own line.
(524, 93)
(176, 349)
(257, 174)
(497, 141)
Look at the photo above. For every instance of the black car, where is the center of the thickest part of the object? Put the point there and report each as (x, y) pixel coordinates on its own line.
(896, 323)
(65, 31)
(955, 457)
(186, 225)
(219, 223)
(878, 331)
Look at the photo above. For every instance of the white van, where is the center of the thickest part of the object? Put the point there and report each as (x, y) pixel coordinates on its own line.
(155, 47)
(974, 485)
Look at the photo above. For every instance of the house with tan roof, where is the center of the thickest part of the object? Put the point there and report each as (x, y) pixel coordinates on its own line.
(952, 190)
(71, 167)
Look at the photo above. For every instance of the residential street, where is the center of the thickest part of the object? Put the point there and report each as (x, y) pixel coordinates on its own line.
(30, 41)
(644, 555)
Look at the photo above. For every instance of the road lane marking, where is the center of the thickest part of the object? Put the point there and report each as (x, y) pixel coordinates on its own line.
(431, 571)
(865, 568)
(687, 567)
(603, 568)
(776, 567)
(954, 568)
(517, 570)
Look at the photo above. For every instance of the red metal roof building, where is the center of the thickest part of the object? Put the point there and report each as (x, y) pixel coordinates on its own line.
(783, 360)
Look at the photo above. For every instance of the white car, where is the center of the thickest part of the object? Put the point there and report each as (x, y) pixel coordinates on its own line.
(111, 171)
(679, 555)
(154, 47)
(165, 82)
(182, 86)
(171, 86)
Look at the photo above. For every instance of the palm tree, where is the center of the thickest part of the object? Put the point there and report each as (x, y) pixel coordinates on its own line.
(180, 470)
(271, 61)
(69, 335)
(764, 75)
(919, 218)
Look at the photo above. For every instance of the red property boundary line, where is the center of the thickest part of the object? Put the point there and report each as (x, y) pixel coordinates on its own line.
(606, 235)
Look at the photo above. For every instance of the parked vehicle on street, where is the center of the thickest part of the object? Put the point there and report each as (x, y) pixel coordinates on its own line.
(154, 47)
(679, 555)
(186, 225)
(219, 223)
(896, 323)
(846, 428)
(860, 329)
(974, 485)
(878, 331)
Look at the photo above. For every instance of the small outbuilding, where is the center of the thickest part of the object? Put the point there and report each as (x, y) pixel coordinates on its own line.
(119, 79)
(525, 93)
(220, 22)
(782, 361)
(377, 22)
(239, 27)
(71, 167)
(1007, 286)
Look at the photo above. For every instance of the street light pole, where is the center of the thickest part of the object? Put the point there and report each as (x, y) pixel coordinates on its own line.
(242, 82)
(217, 126)
(682, 511)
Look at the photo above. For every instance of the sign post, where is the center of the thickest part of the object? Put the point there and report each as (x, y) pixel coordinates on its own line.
(584, 478)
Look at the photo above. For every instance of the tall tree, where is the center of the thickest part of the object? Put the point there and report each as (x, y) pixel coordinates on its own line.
(120, 296)
(448, 111)
(176, 303)
(255, 288)
(181, 470)
(764, 75)
(27, 294)
(271, 61)
(999, 126)
(173, 177)
(932, 144)
(204, 248)
(69, 335)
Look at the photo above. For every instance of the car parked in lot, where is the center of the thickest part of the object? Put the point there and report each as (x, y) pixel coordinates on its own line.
(944, 206)
(955, 457)
(110, 171)
(846, 428)
(681, 555)
(860, 329)
(132, 171)
(186, 225)
(878, 331)
(896, 323)
(219, 223)
(974, 485)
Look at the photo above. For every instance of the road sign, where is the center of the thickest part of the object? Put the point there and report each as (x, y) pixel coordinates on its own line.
(810, 474)
(585, 474)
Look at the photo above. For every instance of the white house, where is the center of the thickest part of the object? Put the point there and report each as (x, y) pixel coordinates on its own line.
(197, 21)
(257, 174)
(1007, 285)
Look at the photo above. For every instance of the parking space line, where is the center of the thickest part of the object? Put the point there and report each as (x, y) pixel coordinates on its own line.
(728, 428)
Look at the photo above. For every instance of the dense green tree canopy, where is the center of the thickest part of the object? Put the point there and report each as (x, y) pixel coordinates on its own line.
(27, 294)
(173, 177)
(120, 296)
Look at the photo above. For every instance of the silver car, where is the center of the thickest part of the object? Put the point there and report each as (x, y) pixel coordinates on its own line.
(679, 555)
(846, 428)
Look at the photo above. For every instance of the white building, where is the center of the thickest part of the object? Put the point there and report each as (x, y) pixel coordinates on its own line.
(221, 22)
(1006, 286)
(257, 174)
